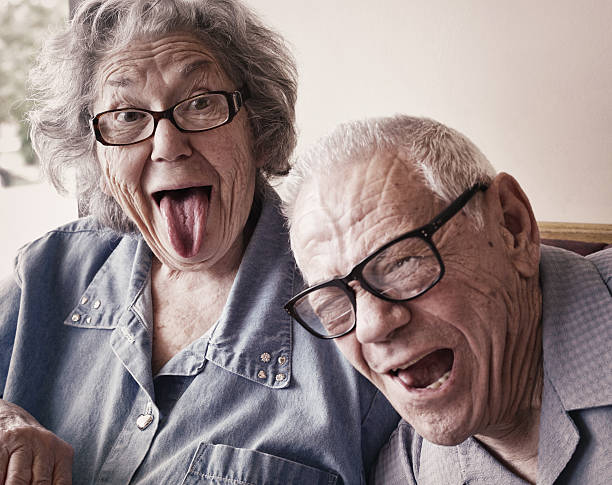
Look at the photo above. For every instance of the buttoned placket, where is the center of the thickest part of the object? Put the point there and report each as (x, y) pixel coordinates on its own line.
(130, 342)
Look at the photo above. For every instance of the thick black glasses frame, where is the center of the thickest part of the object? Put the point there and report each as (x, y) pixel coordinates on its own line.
(235, 101)
(424, 232)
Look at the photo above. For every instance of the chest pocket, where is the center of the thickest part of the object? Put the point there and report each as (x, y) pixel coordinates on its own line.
(225, 465)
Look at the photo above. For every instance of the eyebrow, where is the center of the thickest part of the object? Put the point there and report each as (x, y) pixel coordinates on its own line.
(198, 65)
(123, 81)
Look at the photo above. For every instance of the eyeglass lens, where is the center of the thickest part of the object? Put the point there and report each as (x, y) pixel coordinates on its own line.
(402, 271)
(195, 114)
(202, 112)
(327, 311)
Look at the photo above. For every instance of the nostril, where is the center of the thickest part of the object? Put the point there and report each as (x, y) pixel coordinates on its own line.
(394, 333)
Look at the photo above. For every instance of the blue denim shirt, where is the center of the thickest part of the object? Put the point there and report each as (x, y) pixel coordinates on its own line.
(257, 401)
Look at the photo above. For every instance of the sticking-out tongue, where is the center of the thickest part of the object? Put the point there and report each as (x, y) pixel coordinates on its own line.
(427, 370)
(185, 212)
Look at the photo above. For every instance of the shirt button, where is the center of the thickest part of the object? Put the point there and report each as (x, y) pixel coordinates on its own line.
(97, 304)
(282, 360)
(280, 377)
(76, 317)
(84, 300)
(265, 357)
(261, 374)
(143, 421)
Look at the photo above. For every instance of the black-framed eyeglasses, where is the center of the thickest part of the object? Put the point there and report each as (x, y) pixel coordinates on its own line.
(400, 270)
(126, 126)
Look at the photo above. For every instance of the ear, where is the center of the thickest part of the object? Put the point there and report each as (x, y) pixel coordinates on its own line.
(512, 214)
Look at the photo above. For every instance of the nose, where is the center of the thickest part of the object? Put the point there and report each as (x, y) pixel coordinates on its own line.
(377, 319)
(169, 143)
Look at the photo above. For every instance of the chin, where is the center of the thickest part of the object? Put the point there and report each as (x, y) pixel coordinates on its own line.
(451, 438)
(174, 261)
(179, 263)
(439, 429)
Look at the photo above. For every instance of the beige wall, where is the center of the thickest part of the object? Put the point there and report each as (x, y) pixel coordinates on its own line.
(530, 82)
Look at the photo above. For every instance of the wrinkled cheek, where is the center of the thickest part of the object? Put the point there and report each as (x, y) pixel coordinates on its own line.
(239, 187)
(125, 189)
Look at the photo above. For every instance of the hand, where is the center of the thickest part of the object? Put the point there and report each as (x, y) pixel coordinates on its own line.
(29, 453)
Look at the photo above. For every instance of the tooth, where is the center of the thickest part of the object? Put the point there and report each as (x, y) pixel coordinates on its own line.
(405, 366)
(441, 380)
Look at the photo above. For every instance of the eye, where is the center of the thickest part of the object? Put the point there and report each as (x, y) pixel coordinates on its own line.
(405, 265)
(129, 116)
(200, 103)
(413, 260)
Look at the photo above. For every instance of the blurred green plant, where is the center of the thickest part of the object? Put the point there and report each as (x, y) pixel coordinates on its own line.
(23, 26)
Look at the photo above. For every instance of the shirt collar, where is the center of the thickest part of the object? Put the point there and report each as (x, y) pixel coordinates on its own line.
(577, 329)
(113, 289)
(253, 337)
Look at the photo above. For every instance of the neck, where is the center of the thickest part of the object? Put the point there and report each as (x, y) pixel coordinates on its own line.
(517, 447)
(513, 436)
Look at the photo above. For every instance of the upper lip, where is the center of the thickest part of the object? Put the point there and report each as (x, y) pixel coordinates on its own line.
(158, 193)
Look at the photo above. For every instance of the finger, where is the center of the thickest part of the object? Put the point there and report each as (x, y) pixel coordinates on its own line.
(19, 470)
(4, 458)
(62, 472)
(42, 466)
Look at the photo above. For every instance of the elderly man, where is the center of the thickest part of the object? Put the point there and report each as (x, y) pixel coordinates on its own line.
(426, 267)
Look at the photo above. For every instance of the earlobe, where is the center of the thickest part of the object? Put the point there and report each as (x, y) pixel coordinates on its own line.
(517, 223)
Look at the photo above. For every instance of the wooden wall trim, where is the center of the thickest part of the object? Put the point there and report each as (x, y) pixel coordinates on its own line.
(576, 231)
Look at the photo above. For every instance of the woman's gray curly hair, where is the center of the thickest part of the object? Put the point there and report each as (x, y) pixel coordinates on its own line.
(63, 84)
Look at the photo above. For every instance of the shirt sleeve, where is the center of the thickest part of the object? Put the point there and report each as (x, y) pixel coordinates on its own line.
(10, 295)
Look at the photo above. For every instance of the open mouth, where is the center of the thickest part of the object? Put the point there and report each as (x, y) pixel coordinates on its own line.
(185, 212)
(183, 193)
(429, 372)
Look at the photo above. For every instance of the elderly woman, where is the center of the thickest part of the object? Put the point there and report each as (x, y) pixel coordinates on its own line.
(150, 337)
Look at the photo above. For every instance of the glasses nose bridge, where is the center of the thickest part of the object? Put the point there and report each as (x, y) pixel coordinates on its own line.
(167, 114)
(357, 275)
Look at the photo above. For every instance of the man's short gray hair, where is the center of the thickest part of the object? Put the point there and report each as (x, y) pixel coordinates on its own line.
(448, 161)
(63, 84)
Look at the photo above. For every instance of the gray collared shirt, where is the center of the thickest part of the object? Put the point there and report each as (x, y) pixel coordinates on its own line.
(257, 400)
(575, 445)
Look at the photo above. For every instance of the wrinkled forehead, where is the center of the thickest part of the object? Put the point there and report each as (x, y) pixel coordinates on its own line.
(180, 56)
(342, 216)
